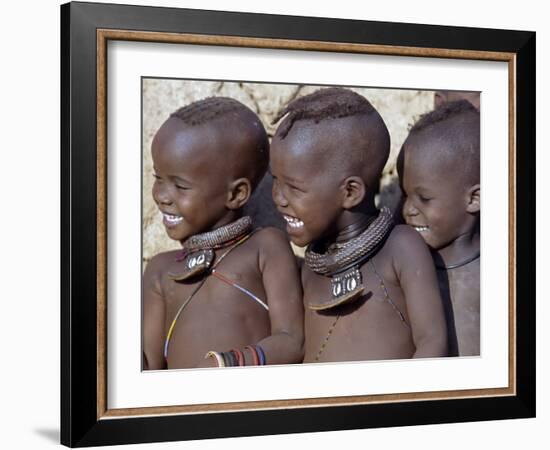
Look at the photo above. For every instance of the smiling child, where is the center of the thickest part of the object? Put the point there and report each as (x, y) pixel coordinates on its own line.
(439, 171)
(370, 289)
(231, 296)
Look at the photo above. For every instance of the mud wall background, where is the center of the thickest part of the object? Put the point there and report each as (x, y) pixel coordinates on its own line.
(399, 109)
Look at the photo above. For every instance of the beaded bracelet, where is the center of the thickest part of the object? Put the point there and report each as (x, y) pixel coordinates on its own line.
(233, 358)
(255, 358)
(261, 354)
(219, 358)
(226, 360)
(239, 355)
(258, 355)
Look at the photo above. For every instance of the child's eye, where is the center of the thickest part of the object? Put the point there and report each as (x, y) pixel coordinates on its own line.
(295, 189)
(156, 177)
(424, 199)
(182, 188)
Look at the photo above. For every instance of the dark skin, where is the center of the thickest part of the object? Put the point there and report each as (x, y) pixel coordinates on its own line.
(325, 200)
(443, 205)
(201, 186)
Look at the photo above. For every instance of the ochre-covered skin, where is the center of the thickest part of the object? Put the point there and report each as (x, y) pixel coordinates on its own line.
(204, 175)
(220, 317)
(408, 324)
(459, 289)
(326, 172)
(439, 173)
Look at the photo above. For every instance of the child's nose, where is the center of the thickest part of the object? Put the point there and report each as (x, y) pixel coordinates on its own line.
(409, 209)
(278, 197)
(161, 195)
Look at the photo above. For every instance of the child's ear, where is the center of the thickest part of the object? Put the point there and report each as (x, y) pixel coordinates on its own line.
(474, 201)
(238, 193)
(354, 191)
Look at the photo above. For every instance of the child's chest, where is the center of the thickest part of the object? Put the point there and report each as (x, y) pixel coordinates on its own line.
(212, 314)
(374, 286)
(227, 295)
(361, 329)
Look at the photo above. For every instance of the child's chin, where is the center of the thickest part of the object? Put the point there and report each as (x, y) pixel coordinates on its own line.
(175, 235)
(299, 242)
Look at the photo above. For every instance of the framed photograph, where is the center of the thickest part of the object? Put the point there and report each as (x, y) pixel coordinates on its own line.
(125, 69)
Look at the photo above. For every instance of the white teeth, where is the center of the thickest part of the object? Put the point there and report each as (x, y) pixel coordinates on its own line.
(421, 229)
(293, 222)
(171, 219)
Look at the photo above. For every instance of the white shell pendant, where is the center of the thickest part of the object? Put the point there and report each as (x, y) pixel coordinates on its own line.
(194, 264)
(345, 288)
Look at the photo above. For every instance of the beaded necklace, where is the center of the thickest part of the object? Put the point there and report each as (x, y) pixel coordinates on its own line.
(341, 261)
(198, 250)
(468, 260)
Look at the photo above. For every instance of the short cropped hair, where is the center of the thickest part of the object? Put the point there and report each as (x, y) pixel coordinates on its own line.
(367, 158)
(457, 125)
(210, 108)
(330, 103)
(251, 131)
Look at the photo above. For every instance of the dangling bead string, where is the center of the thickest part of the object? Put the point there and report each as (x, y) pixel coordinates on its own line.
(186, 302)
(240, 288)
(327, 337)
(386, 295)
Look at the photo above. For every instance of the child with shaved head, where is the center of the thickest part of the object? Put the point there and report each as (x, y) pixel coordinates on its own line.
(231, 296)
(439, 172)
(370, 289)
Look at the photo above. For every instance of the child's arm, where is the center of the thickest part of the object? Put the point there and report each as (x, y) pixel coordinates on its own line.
(153, 317)
(416, 274)
(281, 279)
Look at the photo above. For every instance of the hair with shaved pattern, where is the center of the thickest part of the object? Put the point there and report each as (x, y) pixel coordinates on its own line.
(205, 110)
(247, 124)
(444, 112)
(330, 103)
(364, 141)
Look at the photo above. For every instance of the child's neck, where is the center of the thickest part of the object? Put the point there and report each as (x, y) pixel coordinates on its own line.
(464, 249)
(228, 218)
(353, 223)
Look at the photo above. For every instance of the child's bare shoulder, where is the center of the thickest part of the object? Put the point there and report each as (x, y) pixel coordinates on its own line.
(405, 245)
(159, 264)
(404, 235)
(274, 249)
(270, 239)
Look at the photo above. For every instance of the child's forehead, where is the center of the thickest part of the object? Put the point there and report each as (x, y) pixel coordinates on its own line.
(176, 133)
(428, 156)
(327, 133)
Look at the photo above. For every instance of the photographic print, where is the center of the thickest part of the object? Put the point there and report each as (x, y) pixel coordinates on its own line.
(351, 322)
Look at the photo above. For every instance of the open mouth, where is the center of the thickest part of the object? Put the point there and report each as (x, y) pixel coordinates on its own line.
(293, 222)
(420, 229)
(170, 219)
